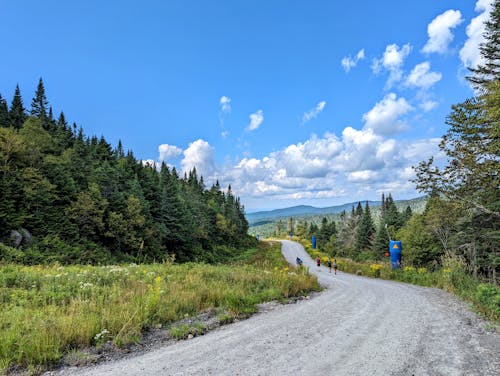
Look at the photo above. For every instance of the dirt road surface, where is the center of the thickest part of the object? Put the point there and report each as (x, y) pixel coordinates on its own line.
(356, 326)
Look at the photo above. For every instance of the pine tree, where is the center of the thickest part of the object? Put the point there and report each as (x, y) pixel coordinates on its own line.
(381, 243)
(40, 104)
(365, 231)
(17, 114)
(4, 113)
(490, 51)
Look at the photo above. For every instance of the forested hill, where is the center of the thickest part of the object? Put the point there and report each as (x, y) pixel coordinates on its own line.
(305, 210)
(76, 199)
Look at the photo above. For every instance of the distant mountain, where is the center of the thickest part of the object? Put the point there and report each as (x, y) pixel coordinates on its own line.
(301, 210)
(262, 217)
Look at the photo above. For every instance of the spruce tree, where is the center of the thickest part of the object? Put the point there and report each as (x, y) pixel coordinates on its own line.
(17, 114)
(4, 113)
(40, 104)
(365, 230)
(489, 70)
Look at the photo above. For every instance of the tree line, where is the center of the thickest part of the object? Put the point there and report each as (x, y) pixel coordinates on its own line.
(76, 199)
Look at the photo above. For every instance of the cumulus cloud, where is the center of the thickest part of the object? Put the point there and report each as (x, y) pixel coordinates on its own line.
(313, 113)
(384, 117)
(439, 31)
(256, 120)
(360, 162)
(392, 60)
(422, 77)
(470, 54)
(168, 151)
(348, 62)
(199, 154)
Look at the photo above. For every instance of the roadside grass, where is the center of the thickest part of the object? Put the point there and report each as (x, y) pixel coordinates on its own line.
(452, 277)
(49, 311)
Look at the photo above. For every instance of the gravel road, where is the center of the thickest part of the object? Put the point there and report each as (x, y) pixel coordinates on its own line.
(356, 326)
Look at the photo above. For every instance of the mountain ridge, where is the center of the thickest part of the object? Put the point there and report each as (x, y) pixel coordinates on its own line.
(303, 210)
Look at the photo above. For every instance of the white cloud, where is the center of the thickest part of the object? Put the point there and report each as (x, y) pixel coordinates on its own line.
(392, 60)
(361, 176)
(428, 105)
(470, 54)
(313, 113)
(225, 104)
(199, 154)
(348, 62)
(360, 163)
(421, 76)
(439, 31)
(256, 120)
(384, 117)
(224, 134)
(168, 151)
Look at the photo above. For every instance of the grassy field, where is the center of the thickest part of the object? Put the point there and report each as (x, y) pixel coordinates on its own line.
(48, 311)
(452, 277)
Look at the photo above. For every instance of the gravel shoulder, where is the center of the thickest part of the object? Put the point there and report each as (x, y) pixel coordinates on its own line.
(356, 326)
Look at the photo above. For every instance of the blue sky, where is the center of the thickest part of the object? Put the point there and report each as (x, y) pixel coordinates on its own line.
(290, 102)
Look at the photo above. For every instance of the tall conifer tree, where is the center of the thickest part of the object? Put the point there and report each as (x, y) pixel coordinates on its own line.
(40, 104)
(17, 114)
(4, 113)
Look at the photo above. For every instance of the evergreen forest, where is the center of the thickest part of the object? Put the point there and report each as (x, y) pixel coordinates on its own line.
(70, 198)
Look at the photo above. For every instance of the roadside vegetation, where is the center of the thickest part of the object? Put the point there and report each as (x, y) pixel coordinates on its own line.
(451, 277)
(51, 310)
(454, 243)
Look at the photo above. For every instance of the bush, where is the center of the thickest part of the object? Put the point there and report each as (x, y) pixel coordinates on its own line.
(489, 296)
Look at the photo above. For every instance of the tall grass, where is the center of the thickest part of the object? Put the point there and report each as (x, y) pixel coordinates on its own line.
(451, 277)
(51, 310)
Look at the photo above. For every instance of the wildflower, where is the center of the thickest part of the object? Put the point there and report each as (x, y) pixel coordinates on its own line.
(446, 270)
(421, 270)
(102, 334)
(86, 285)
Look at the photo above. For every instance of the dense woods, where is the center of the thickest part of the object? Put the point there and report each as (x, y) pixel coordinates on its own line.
(72, 198)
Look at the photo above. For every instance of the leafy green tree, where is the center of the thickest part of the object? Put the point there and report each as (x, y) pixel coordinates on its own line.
(12, 161)
(440, 218)
(38, 196)
(87, 212)
(420, 246)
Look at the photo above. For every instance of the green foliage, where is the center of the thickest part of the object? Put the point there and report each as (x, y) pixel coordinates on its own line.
(365, 231)
(468, 183)
(49, 310)
(103, 205)
(420, 246)
(17, 113)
